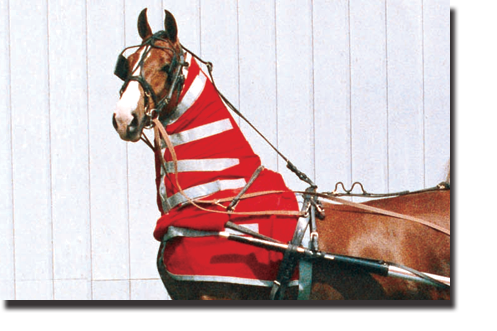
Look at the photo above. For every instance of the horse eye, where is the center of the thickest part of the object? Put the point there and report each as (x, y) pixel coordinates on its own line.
(166, 68)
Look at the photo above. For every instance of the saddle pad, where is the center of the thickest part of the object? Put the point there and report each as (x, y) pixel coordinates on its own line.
(209, 257)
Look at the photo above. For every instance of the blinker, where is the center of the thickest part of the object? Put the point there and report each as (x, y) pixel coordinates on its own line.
(122, 67)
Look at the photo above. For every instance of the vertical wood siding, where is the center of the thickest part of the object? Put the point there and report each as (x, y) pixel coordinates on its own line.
(349, 90)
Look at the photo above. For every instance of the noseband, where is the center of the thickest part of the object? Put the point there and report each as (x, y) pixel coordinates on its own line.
(175, 77)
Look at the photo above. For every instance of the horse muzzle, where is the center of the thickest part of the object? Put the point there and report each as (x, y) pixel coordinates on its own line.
(129, 128)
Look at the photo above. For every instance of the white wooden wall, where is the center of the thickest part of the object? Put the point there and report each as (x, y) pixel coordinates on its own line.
(349, 90)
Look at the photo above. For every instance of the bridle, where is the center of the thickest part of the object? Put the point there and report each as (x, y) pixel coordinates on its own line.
(175, 78)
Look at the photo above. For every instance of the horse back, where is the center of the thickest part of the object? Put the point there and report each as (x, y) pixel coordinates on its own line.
(347, 230)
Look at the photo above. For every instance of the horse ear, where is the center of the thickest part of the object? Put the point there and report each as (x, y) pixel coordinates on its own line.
(143, 27)
(170, 26)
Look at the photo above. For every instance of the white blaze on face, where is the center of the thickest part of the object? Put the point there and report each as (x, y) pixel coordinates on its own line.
(129, 100)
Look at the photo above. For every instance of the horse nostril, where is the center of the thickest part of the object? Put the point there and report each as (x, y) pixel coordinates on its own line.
(133, 125)
(114, 122)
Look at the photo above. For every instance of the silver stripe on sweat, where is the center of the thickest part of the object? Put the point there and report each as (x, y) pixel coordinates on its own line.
(203, 190)
(189, 98)
(202, 165)
(199, 132)
(227, 279)
(162, 192)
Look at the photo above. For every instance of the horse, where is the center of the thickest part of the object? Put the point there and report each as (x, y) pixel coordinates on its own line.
(162, 84)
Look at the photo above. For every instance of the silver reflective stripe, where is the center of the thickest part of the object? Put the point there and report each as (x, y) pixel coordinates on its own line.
(199, 132)
(173, 231)
(228, 279)
(206, 189)
(191, 165)
(202, 165)
(254, 227)
(162, 192)
(189, 98)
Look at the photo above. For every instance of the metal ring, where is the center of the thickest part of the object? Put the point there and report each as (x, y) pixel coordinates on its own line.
(150, 126)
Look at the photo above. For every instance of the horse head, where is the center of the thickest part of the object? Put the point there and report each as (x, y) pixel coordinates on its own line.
(151, 75)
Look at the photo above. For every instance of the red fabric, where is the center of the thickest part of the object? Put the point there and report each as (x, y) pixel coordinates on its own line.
(208, 109)
(194, 218)
(214, 255)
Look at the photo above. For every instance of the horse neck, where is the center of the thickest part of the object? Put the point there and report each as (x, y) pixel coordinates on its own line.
(201, 114)
(210, 147)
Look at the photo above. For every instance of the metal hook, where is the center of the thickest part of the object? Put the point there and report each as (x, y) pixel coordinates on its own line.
(335, 192)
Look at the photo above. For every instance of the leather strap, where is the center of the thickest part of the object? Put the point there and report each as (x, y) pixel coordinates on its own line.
(291, 258)
(234, 202)
(287, 267)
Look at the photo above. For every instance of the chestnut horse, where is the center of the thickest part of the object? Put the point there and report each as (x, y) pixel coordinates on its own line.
(153, 84)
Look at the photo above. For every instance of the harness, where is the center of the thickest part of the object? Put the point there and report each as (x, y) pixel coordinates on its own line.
(311, 207)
